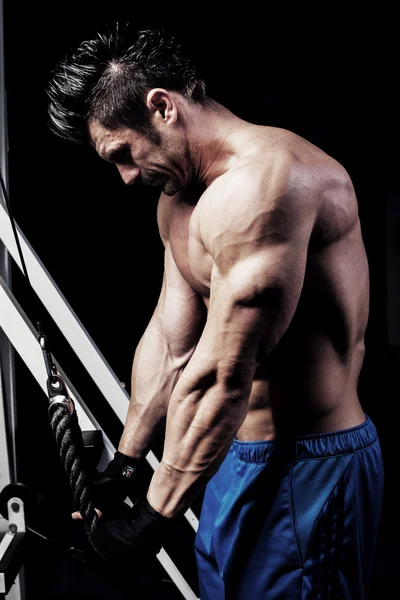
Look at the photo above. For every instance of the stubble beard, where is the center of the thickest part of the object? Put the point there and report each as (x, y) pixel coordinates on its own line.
(171, 187)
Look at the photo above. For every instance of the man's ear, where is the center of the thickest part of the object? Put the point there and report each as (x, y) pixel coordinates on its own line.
(161, 106)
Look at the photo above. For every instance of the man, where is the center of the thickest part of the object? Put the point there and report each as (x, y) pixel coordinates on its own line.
(252, 357)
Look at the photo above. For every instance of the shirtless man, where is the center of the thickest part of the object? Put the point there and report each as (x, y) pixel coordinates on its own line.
(252, 357)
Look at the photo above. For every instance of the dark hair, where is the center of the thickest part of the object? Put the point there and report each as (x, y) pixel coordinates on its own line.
(106, 79)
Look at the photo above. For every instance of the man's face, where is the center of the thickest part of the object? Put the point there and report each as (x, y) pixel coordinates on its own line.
(136, 155)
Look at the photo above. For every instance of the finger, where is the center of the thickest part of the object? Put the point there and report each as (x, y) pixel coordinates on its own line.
(77, 515)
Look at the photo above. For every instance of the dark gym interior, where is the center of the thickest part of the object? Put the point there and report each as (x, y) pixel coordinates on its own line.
(100, 243)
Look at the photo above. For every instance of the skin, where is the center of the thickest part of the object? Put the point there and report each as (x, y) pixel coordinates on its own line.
(259, 329)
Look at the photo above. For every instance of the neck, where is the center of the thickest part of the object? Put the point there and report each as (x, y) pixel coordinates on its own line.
(211, 133)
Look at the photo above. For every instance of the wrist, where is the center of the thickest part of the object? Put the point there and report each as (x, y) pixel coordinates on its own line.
(172, 491)
(121, 456)
(165, 495)
(122, 467)
(152, 514)
(127, 450)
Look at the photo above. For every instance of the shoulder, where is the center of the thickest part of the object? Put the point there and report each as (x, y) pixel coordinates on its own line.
(258, 200)
(282, 185)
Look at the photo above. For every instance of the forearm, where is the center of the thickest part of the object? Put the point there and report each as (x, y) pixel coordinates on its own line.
(201, 425)
(154, 375)
(143, 423)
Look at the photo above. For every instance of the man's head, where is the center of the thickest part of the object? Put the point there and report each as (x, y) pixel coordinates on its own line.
(121, 92)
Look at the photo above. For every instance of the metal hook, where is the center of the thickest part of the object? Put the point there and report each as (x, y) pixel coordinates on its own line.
(51, 368)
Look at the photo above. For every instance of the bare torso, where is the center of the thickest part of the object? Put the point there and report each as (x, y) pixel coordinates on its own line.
(308, 382)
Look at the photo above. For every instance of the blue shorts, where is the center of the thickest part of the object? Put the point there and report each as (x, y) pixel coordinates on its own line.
(293, 520)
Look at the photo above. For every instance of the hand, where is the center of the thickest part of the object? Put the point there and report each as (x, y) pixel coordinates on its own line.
(137, 538)
(110, 487)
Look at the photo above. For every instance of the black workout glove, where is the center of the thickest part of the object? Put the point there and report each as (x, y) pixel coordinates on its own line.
(110, 487)
(136, 538)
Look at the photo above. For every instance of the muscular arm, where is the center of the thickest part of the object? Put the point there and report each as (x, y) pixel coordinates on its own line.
(259, 263)
(161, 355)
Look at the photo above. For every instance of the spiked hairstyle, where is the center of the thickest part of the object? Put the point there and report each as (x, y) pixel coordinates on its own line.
(107, 78)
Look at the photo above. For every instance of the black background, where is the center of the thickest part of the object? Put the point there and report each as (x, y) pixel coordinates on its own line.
(322, 76)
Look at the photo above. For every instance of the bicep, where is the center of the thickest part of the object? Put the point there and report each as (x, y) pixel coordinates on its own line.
(171, 336)
(180, 313)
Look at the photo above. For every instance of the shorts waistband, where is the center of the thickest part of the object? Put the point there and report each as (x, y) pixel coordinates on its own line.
(319, 445)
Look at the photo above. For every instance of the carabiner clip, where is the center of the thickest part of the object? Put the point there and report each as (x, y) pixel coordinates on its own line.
(58, 395)
(56, 388)
(51, 368)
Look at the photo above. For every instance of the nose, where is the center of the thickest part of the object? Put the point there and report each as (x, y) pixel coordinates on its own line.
(128, 173)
